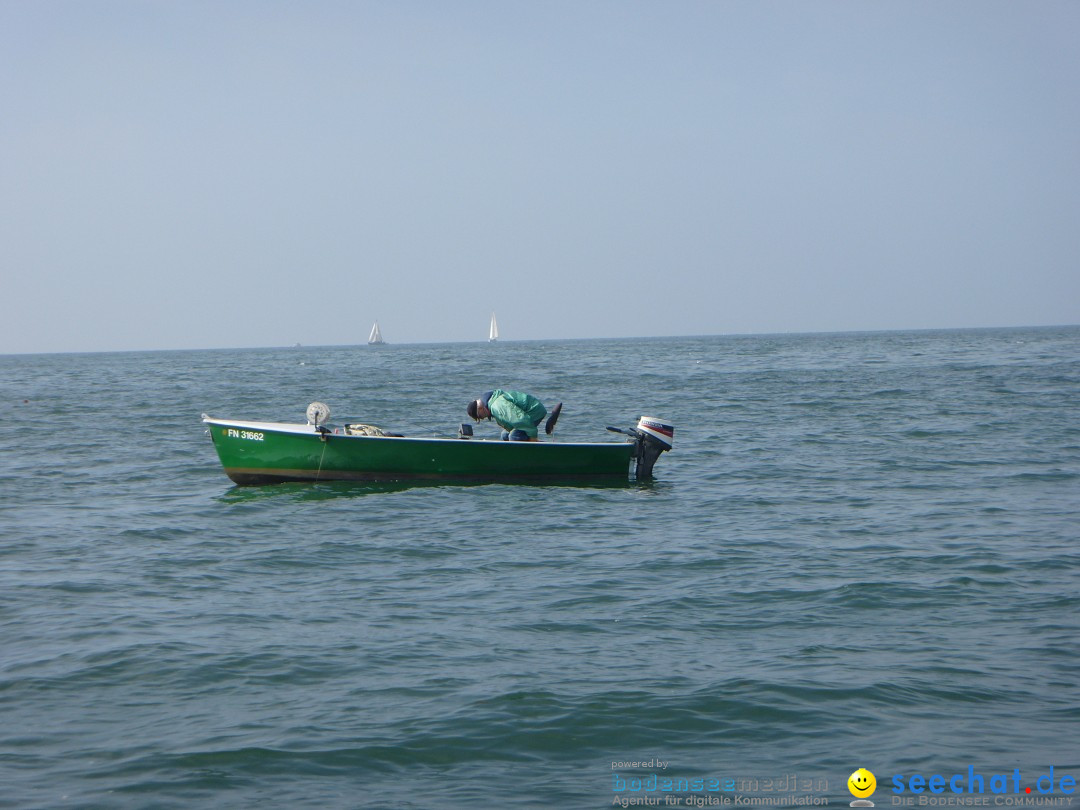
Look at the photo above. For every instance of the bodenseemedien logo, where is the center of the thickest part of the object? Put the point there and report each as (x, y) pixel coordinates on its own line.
(862, 785)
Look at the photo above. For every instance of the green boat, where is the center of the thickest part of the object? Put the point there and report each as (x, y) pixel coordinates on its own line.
(255, 453)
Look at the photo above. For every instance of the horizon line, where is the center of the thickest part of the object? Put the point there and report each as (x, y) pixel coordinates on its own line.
(484, 341)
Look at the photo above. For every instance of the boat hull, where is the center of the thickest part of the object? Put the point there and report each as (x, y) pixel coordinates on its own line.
(255, 453)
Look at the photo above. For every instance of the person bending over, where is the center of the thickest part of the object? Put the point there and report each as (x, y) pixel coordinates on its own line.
(517, 413)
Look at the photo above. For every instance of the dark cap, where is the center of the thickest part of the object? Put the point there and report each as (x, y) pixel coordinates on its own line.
(471, 410)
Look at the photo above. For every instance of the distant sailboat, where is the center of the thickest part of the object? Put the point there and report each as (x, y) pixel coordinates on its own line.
(375, 338)
(493, 332)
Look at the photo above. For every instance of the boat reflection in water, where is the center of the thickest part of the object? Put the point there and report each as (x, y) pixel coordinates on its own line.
(330, 490)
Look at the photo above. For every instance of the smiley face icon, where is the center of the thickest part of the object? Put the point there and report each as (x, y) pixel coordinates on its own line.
(862, 783)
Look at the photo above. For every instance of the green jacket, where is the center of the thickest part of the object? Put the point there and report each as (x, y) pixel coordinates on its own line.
(515, 410)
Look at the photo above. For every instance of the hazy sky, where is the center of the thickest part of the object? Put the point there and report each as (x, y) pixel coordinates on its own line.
(228, 173)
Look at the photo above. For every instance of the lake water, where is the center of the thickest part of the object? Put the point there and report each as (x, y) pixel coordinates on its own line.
(862, 552)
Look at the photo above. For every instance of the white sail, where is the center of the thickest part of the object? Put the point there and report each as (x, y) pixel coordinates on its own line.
(493, 332)
(376, 336)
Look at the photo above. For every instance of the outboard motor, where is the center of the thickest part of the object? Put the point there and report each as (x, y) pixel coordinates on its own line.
(652, 436)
